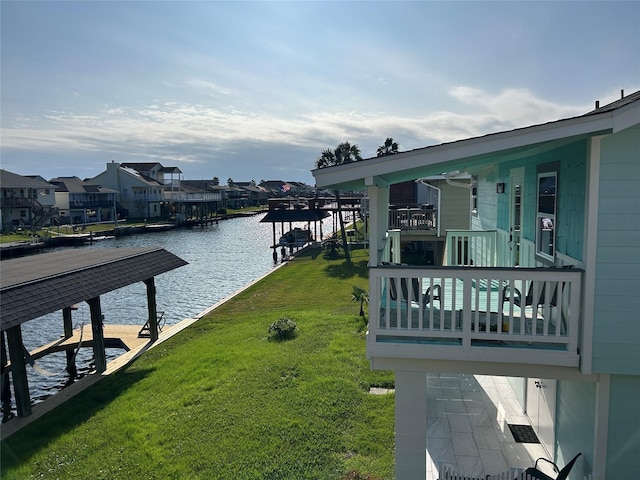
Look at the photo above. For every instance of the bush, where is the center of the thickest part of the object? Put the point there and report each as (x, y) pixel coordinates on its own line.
(283, 329)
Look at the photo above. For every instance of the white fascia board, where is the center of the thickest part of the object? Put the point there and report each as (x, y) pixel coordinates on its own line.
(433, 155)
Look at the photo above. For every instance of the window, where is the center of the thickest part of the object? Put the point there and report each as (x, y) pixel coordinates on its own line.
(546, 213)
(474, 195)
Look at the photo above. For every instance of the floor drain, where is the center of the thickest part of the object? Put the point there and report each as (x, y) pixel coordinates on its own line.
(523, 434)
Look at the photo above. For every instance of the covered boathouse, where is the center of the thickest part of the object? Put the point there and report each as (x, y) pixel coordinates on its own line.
(36, 285)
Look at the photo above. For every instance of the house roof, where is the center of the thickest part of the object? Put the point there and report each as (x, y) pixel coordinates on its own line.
(13, 180)
(35, 285)
(75, 185)
(477, 151)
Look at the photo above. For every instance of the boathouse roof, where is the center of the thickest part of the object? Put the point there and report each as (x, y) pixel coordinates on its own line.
(36, 285)
(295, 215)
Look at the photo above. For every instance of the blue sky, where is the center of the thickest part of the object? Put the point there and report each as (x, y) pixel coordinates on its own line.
(256, 90)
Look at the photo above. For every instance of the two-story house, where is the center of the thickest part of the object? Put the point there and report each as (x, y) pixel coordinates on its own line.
(25, 201)
(542, 289)
(140, 192)
(82, 202)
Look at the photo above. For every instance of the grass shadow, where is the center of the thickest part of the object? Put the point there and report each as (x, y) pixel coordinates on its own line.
(64, 418)
(346, 269)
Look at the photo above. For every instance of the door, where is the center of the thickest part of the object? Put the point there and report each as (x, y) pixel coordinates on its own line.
(541, 410)
(516, 194)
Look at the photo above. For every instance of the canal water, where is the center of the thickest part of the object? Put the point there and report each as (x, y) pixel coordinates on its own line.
(222, 258)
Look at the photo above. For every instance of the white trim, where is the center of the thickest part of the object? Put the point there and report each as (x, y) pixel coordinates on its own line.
(590, 244)
(601, 430)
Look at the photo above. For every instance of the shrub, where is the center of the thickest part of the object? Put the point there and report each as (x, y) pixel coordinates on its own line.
(283, 329)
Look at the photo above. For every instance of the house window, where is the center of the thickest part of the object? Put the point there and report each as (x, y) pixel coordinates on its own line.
(474, 195)
(546, 213)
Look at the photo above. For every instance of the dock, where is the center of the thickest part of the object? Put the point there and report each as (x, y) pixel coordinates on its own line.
(115, 336)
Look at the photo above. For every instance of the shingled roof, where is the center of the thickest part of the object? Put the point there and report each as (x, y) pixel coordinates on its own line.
(35, 285)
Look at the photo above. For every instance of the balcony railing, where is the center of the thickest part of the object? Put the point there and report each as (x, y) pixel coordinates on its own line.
(191, 197)
(413, 217)
(475, 313)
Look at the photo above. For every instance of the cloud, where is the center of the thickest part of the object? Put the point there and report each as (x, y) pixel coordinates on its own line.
(183, 134)
(208, 87)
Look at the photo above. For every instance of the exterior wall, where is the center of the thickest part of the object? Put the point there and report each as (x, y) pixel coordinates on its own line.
(616, 332)
(623, 445)
(455, 207)
(575, 425)
(486, 219)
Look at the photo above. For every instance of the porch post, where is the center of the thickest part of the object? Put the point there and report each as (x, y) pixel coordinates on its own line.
(411, 425)
(601, 429)
(378, 193)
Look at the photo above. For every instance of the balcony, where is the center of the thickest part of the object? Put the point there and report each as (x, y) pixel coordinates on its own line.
(191, 197)
(411, 217)
(475, 313)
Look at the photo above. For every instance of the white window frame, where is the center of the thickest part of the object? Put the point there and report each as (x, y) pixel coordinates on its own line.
(546, 216)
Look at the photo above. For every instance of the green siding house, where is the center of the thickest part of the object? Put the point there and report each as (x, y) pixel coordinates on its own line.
(543, 289)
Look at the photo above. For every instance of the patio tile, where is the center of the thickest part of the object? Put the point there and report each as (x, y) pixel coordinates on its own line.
(460, 423)
(464, 444)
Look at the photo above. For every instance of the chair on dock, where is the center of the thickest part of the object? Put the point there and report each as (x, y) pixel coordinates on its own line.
(145, 331)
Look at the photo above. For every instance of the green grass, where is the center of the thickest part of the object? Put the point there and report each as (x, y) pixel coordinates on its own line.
(222, 401)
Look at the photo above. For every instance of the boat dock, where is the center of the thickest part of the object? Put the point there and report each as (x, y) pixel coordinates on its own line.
(125, 337)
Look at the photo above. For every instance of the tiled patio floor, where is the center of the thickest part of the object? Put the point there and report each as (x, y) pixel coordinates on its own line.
(467, 417)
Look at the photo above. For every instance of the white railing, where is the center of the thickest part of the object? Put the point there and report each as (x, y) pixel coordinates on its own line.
(446, 472)
(498, 314)
(471, 248)
(392, 250)
(191, 197)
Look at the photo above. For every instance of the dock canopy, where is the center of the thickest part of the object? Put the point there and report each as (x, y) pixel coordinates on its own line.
(36, 285)
(295, 215)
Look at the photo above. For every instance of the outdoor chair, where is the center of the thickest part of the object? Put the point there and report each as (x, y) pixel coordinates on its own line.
(415, 288)
(533, 472)
(528, 301)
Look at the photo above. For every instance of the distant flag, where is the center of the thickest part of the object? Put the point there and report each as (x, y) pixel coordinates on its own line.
(285, 187)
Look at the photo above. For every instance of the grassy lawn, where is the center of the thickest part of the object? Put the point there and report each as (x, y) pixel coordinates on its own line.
(222, 401)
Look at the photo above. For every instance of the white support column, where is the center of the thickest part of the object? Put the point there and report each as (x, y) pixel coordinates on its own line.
(601, 428)
(378, 217)
(411, 425)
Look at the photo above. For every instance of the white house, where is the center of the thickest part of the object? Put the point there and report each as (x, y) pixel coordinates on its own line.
(542, 289)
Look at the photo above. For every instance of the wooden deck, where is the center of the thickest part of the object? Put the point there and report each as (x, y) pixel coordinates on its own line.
(115, 336)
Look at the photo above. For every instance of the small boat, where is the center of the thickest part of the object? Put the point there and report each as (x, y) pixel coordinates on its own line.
(295, 238)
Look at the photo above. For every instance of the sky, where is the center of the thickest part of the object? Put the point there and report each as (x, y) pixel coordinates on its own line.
(257, 90)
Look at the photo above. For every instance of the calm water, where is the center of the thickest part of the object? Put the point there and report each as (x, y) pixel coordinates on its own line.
(222, 259)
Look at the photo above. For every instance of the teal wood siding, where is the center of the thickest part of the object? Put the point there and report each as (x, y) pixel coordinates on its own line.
(623, 443)
(575, 420)
(616, 331)
(487, 200)
(571, 195)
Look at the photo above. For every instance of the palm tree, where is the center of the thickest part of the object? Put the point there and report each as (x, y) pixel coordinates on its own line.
(344, 153)
(389, 148)
(360, 295)
(216, 181)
